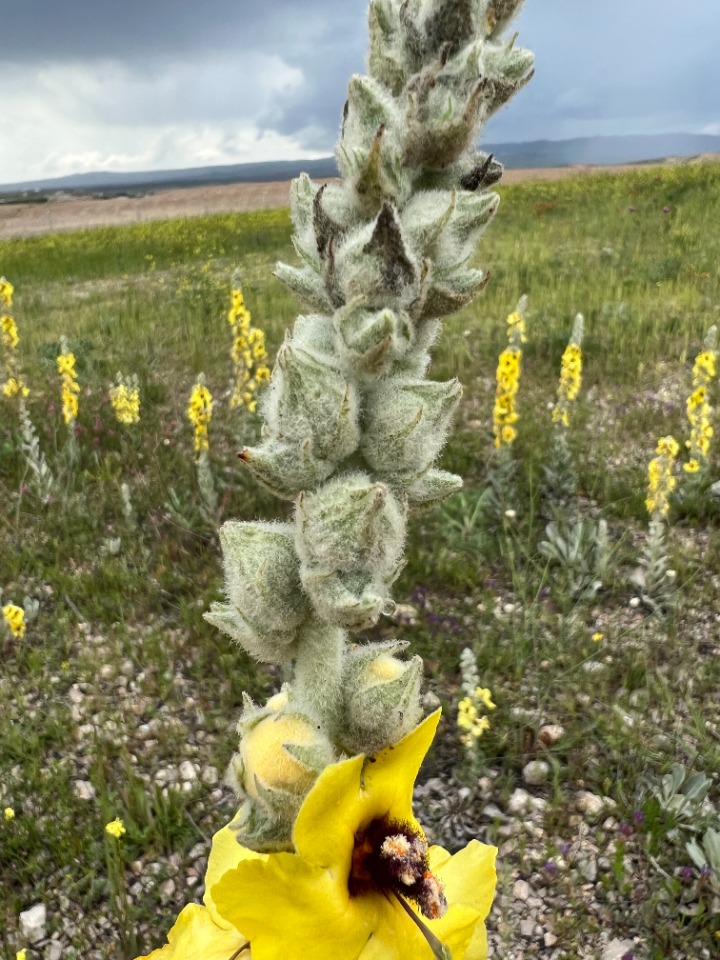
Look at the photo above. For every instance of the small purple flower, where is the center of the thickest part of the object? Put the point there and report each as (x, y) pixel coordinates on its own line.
(638, 818)
(628, 956)
(687, 874)
(550, 867)
(565, 849)
(624, 829)
(544, 592)
(705, 872)
(666, 209)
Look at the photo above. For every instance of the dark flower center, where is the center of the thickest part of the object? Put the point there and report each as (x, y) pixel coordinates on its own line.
(392, 857)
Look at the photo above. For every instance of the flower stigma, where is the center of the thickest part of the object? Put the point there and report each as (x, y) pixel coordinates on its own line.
(392, 858)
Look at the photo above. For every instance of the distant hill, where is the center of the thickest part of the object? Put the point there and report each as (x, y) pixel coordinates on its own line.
(538, 153)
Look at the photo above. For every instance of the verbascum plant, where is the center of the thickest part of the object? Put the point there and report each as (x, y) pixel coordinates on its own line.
(39, 477)
(14, 386)
(325, 857)
(125, 399)
(69, 387)
(559, 475)
(248, 353)
(699, 411)
(199, 413)
(502, 466)
(652, 575)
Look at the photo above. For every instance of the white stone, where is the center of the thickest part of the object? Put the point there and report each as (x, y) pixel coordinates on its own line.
(32, 923)
(549, 939)
(167, 890)
(210, 776)
(616, 949)
(521, 890)
(551, 734)
(527, 927)
(536, 772)
(53, 951)
(519, 801)
(587, 866)
(188, 771)
(589, 804)
(84, 790)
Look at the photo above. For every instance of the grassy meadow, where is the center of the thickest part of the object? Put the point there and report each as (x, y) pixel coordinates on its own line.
(120, 701)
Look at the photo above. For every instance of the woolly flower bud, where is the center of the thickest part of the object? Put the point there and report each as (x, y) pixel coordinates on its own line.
(381, 695)
(349, 537)
(261, 574)
(281, 754)
(310, 399)
(406, 424)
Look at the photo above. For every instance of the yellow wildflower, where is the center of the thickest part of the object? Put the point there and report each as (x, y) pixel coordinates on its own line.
(508, 380)
(699, 411)
(199, 413)
(21, 954)
(9, 331)
(9, 813)
(15, 619)
(248, 354)
(327, 899)
(6, 292)
(661, 481)
(571, 366)
(485, 697)
(15, 387)
(69, 385)
(125, 399)
(116, 828)
(597, 637)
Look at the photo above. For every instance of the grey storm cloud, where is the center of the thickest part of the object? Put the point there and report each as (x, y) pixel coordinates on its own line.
(616, 66)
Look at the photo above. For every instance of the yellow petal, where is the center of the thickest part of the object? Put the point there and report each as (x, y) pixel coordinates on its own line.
(331, 814)
(196, 936)
(390, 776)
(395, 937)
(288, 908)
(468, 876)
(225, 854)
(348, 795)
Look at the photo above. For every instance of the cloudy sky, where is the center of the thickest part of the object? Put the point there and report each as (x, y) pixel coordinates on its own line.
(158, 84)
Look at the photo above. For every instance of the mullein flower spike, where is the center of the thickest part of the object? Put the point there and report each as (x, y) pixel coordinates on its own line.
(699, 411)
(329, 852)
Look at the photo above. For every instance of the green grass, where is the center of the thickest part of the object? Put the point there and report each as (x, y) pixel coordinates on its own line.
(119, 672)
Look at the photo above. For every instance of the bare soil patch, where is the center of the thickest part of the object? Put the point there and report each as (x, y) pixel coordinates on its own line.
(78, 213)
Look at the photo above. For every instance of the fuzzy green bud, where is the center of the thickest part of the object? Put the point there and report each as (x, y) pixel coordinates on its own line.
(349, 537)
(406, 425)
(382, 696)
(309, 399)
(281, 755)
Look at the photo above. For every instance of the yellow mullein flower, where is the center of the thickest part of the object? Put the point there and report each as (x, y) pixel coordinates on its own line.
(485, 697)
(6, 292)
(15, 619)
(69, 385)
(116, 828)
(508, 380)
(21, 954)
(15, 387)
(125, 399)
(699, 411)
(9, 331)
(8, 813)
(661, 481)
(248, 354)
(199, 413)
(339, 896)
(570, 375)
